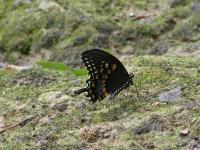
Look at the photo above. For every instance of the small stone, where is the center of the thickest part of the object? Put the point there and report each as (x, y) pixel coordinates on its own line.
(131, 14)
(195, 7)
(184, 131)
(170, 95)
(18, 2)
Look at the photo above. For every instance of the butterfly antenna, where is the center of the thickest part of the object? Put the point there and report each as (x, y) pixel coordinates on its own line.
(77, 92)
(137, 91)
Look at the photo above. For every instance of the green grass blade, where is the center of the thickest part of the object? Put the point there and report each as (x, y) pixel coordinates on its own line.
(62, 67)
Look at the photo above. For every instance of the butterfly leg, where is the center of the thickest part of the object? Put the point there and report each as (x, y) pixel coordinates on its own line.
(81, 91)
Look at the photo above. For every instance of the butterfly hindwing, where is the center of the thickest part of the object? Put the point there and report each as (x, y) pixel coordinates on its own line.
(97, 89)
(97, 82)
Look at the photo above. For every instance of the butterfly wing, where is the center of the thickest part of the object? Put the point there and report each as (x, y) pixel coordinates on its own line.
(107, 74)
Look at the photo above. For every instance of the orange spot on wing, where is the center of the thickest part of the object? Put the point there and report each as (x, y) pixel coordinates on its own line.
(104, 90)
(114, 66)
(105, 94)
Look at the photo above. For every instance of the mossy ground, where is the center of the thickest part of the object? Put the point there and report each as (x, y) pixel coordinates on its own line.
(40, 103)
(58, 119)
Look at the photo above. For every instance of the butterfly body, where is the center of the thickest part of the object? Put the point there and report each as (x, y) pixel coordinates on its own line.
(107, 75)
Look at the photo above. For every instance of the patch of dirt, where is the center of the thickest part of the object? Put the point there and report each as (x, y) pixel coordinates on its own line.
(93, 134)
(153, 124)
(43, 137)
(31, 77)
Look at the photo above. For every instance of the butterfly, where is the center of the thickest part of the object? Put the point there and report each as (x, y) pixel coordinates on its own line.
(107, 75)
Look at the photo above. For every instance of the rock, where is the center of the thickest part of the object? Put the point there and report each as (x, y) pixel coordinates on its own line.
(184, 131)
(195, 7)
(19, 2)
(2, 65)
(170, 95)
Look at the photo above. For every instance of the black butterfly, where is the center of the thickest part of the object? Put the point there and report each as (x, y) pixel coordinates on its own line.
(107, 75)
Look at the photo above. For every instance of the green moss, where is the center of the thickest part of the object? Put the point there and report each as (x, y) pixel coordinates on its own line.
(42, 93)
(21, 31)
(5, 7)
(181, 12)
(188, 30)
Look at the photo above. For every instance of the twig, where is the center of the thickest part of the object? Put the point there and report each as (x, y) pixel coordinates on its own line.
(142, 17)
(20, 123)
(13, 67)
